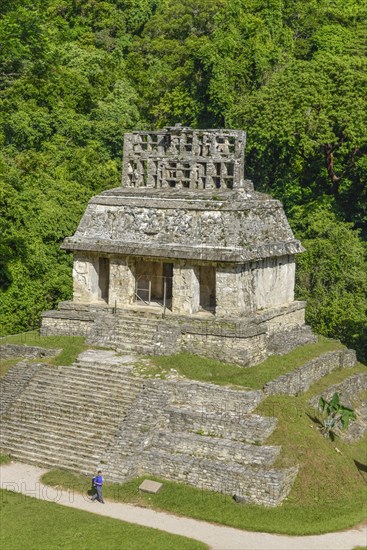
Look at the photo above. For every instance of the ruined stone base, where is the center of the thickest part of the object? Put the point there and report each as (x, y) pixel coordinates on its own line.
(191, 432)
(242, 340)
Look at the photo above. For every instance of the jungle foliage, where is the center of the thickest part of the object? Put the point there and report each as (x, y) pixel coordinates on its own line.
(76, 74)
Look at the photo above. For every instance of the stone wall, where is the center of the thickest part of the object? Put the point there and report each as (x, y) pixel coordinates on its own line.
(217, 399)
(248, 340)
(55, 324)
(300, 379)
(348, 390)
(264, 487)
(249, 428)
(222, 450)
(85, 278)
(19, 350)
(245, 341)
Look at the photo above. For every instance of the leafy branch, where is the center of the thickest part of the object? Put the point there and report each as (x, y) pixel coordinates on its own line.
(337, 415)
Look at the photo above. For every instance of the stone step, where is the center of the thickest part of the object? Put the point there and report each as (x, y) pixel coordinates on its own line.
(133, 325)
(216, 399)
(49, 395)
(24, 410)
(96, 369)
(87, 407)
(74, 428)
(122, 345)
(53, 459)
(43, 440)
(249, 428)
(254, 484)
(81, 381)
(108, 379)
(130, 316)
(223, 450)
(58, 449)
(127, 327)
(127, 334)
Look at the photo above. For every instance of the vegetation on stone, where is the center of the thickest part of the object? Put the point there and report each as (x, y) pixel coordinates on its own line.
(76, 75)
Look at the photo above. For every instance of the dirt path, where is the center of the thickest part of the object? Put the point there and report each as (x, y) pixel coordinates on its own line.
(24, 479)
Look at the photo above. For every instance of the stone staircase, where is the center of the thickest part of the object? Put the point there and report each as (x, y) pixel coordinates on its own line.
(67, 416)
(131, 332)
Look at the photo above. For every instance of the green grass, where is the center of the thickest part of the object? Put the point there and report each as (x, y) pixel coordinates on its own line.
(5, 459)
(294, 517)
(28, 523)
(210, 370)
(71, 346)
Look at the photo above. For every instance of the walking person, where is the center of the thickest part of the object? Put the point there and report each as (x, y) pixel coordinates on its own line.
(97, 483)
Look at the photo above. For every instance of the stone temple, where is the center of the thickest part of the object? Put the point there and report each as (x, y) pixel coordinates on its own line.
(184, 256)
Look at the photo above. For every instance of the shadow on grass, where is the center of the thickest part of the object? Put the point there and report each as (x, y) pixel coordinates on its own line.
(315, 420)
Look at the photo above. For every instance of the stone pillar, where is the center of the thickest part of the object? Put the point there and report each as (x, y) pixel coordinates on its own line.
(185, 289)
(227, 291)
(234, 290)
(274, 282)
(122, 282)
(85, 278)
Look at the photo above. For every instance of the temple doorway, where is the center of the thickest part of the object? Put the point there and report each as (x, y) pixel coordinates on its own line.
(153, 283)
(103, 279)
(207, 288)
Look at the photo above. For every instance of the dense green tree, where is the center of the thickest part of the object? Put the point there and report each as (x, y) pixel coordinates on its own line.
(332, 276)
(65, 104)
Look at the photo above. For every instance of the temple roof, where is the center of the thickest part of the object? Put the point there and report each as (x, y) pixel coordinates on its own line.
(219, 225)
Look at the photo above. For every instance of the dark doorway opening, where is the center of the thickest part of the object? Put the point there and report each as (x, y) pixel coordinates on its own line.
(103, 278)
(154, 283)
(207, 288)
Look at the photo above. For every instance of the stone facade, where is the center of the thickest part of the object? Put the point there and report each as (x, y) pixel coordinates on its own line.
(186, 237)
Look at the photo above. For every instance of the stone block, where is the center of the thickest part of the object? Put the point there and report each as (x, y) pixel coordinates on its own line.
(149, 486)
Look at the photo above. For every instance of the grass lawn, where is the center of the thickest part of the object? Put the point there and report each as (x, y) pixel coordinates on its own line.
(71, 346)
(210, 370)
(28, 523)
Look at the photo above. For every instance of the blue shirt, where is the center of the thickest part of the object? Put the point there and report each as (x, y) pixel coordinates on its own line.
(98, 480)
